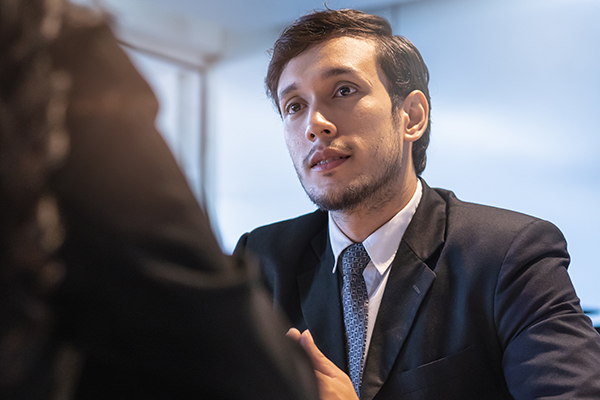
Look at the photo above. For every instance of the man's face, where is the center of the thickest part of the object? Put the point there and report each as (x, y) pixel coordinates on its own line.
(343, 138)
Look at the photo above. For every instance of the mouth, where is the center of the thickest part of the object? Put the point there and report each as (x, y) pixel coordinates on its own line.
(329, 160)
(329, 163)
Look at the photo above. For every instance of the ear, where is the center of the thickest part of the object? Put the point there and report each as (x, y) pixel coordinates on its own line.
(414, 115)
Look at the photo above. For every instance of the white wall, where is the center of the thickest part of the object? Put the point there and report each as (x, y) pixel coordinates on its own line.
(515, 91)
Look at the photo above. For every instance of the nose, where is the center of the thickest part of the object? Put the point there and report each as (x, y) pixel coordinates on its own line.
(319, 127)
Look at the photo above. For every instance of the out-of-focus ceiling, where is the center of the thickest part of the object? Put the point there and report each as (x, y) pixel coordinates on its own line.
(194, 31)
(252, 15)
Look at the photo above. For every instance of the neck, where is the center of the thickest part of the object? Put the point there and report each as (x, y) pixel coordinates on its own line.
(360, 222)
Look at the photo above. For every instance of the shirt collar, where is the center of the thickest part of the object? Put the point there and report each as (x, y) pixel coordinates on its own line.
(382, 244)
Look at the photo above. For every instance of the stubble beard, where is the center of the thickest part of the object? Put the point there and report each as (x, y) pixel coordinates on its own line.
(369, 193)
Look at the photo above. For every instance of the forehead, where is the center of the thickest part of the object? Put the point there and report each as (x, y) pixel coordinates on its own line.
(355, 55)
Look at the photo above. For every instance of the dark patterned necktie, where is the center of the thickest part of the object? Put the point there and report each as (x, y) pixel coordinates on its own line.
(356, 308)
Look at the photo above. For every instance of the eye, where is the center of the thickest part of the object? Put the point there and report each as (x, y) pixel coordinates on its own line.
(344, 91)
(293, 108)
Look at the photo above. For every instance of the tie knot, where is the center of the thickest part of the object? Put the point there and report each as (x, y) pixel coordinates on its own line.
(354, 259)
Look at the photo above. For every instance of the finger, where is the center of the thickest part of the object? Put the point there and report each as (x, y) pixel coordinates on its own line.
(320, 362)
(293, 333)
(338, 387)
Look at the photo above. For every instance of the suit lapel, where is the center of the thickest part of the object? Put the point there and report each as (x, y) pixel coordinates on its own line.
(321, 305)
(410, 279)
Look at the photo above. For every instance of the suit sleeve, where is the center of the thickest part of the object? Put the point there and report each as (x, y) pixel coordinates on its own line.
(551, 349)
(156, 308)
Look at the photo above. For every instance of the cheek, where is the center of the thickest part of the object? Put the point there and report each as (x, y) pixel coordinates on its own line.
(365, 119)
(294, 145)
(379, 104)
(378, 135)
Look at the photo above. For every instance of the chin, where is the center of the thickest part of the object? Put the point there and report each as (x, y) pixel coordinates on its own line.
(335, 201)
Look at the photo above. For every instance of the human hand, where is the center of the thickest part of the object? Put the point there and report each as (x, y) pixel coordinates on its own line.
(334, 384)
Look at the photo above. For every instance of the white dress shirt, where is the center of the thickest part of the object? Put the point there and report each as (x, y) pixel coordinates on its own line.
(381, 246)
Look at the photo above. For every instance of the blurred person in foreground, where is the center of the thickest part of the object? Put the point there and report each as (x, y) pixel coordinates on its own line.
(112, 285)
(395, 289)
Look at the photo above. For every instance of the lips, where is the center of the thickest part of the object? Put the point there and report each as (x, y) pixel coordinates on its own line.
(327, 159)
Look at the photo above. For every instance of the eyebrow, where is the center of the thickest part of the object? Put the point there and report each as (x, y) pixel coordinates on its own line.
(335, 72)
(325, 75)
(289, 88)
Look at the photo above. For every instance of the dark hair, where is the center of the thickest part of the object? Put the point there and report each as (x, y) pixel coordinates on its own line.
(397, 56)
(32, 95)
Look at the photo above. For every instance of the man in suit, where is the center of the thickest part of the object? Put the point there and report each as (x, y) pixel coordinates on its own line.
(457, 300)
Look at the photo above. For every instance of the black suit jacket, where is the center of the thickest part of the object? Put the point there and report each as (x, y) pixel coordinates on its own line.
(478, 305)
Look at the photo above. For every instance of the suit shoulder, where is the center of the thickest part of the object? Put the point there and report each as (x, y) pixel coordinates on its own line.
(489, 221)
(289, 232)
(475, 213)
